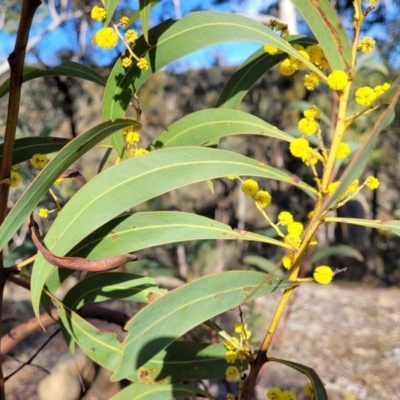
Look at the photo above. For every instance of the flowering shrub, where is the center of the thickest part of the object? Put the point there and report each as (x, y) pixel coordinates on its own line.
(94, 231)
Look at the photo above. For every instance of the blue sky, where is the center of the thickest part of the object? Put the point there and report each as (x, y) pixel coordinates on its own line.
(65, 38)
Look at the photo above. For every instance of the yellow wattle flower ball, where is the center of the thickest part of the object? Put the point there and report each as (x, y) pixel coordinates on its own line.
(315, 52)
(311, 81)
(274, 393)
(131, 35)
(337, 80)
(353, 186)
(43, 213)
(308, 126)
(365, 96)
(39, 161)
(286, 68)
(242, 330)
(15, 179)
(272, 50)
(230, 356)
(106, 38)
(142, 64)
(293, 239)
(287, 261)
(298, 64)
(126, 62)
(309, 389)
(250, 187)
(232, 372)
(288, 395)
(380, 89)
(372, 183)
(332, 187)
(132, 137)
(299, 147)
(366, 45)
(295, 228)
(323, 274)
(343, 151)
(312, 112)
(124, 20)
(98, 13)
(262, 198)
(285, 218)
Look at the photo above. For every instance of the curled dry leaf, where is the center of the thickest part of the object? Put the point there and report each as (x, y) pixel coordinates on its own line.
(74, 174)
(78, 263)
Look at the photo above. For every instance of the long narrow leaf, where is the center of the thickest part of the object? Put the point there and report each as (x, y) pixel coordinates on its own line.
(110, 6)
(101, 346)
(67, 68)
(389, 226)
(172, 40)
(256, 65)
(203, 126)
(144, 8)
(143, 178)
(114, 285)
(160, 323)
(141, 391)
(322, 19)
(36, 190)
(25, 148)
(131, 233)
(319, 388)
(183, 361)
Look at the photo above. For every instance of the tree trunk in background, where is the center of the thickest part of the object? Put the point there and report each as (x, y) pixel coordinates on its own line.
(287, 14)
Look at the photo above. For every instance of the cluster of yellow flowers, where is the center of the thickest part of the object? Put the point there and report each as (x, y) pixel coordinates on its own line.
(275, 393)
(366, 95)
(309, 125)
(291, 64)
(38, 161)
(366, 45)
(300, 148)
(261, 197)
(107, 38)
(236, 350)
(370, 182)
(132, 138)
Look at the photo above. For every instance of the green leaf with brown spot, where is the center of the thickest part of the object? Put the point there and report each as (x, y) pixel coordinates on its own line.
(112, 285)
(105, 197)
(162, 322)
(183, 361)
(322, 19)
(101, 346)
